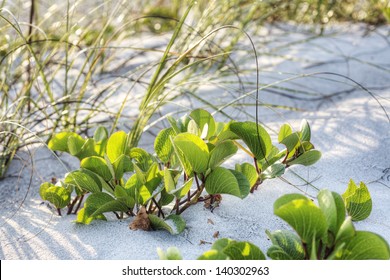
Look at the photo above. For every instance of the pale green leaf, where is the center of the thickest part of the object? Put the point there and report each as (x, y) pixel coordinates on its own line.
(174, 224)
(307, 158)
(243, 251)
(75, 144)
(143, 158)
(358, 201)
(366, 246)
(58, 196)
(83, 181)
(97, 165)
(172, 253)
(255, 137)
(183, 190)
(332, 206)
(302, 215)
(225, 181)
(249, 171)
(273, 171)
(305, 131)
(221, 153)
(285, 246)
(117, 145)
(194, 150)
(204, 121)
(285, 130)
(163, 145)
(346, 230)
(59, 141)
(291, 141)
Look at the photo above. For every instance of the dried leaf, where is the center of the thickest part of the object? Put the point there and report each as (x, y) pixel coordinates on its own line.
(202, 242)
(141, 221)
(216, 234)
(210, 221)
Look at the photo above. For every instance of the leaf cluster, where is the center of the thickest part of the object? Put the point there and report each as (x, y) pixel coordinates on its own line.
(322, 231)
(185, 169)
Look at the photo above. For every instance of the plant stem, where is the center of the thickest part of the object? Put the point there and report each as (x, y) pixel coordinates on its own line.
(70, 207)
(159, 208)
(196, 180)
(79, 204)
(59, 211)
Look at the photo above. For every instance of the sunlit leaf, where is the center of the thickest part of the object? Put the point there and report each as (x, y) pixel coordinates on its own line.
(307, 158)
(59, 141)
(194, 150)
(332, 206)
(183, 190)
(243, 251)
(97, 165)
(285, 246)
(172, 253)
(302, 215)
(305, 131)
(249, 171)
(163, 145)
(291, 141)
(260, 145)
(358, 201)
(82, 180)
(366, 246)
(273, 171)
(117, 145)
(174, 224)
(204, 121)
(57, 195)
(285, 130)
(221, 153)
(225, 181)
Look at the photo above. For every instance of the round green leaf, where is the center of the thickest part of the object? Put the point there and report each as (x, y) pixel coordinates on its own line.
(291, 141)
(225, 181)
(286, 246)
(100, 135)
(172, 253)
(358, 201)
(174, 224)
(83, 181)
(204, 121)
(302, 215)
(249, 172)
(273, 171)
(117, 145)
(75, 144)
(58, 196)
(307, 158)
(163, 145)
(194, 150)
(243, 251)
(97, 165)
(213, 255)
(59, 141)
(221, 153)
(332, 206)
(305, 131)
(260, 145)
(366, 246)
(285, 130)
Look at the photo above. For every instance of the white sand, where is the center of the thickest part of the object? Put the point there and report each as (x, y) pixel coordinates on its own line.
(351, 130)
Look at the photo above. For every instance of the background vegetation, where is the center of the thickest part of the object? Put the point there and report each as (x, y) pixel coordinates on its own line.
(70, 65)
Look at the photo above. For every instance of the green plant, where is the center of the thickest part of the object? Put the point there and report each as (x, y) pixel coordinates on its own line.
(321, 232)
(185, 170)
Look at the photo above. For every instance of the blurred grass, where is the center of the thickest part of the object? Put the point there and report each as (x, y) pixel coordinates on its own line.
(68, 65)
